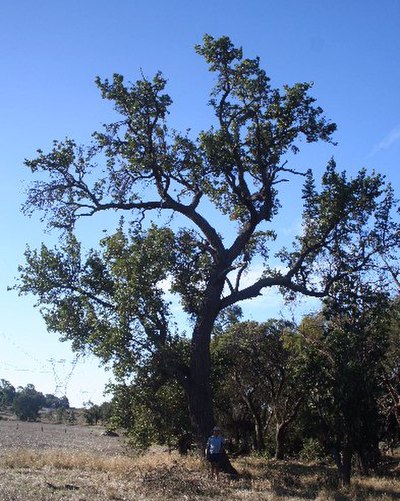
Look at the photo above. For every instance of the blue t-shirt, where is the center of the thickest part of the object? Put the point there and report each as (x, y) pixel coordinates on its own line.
(215, 444)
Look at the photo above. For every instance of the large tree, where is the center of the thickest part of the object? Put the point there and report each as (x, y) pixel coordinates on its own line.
(220, 191)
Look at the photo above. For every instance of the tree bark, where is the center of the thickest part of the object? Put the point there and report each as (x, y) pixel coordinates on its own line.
(259, 433)
(343, 463)
(346, 464)
(201, 409)
(199, 389)
(280, 440)
(200, 398)
(259, 443)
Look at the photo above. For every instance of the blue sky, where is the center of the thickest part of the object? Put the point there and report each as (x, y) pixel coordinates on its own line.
(51, 51)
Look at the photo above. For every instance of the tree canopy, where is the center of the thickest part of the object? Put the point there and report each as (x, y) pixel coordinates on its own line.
(112, 300)
(28, 402)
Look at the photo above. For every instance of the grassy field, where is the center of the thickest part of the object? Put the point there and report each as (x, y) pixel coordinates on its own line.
(56, 462)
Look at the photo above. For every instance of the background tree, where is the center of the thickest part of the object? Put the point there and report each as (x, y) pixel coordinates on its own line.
(349, 341)
(255, 365)
(54, 402)
(28, 402)
(391, 365)
(234, 169)
(7, 393)
(92, 413)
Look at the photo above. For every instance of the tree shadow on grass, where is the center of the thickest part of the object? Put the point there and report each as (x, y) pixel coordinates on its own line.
(306, 481)
(292, 479)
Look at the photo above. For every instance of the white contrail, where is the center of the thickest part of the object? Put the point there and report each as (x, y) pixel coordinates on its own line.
(389, 140)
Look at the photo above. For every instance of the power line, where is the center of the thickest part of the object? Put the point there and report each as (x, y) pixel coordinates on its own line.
(61, 384)
(42, 367)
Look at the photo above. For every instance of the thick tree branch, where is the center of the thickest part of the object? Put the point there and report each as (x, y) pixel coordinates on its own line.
(255, 289)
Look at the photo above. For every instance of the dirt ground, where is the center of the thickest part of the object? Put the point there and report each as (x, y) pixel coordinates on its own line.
(16, 435)
(45, 461)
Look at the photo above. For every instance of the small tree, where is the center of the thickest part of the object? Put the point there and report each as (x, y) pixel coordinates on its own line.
(7, 393)
(28, 402)
(54, 402)
(71, 416)
(92, 413)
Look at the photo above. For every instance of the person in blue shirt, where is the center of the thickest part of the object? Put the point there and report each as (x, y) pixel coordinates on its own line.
(214, 451)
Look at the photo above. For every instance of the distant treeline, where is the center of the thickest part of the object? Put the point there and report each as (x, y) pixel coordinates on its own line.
(28, 404)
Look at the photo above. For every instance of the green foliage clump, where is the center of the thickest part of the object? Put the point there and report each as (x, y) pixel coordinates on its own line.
(27, 403)
(7, 394)
(93, 413)
(312, 450)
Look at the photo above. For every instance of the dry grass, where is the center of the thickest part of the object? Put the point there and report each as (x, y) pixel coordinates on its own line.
(80, 464)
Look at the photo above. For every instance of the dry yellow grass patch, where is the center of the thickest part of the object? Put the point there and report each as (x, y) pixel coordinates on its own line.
(34, 475)
(61, 459)
(88, 461)
(80, 464)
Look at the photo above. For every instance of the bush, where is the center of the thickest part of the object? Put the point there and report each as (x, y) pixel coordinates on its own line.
(312, 450)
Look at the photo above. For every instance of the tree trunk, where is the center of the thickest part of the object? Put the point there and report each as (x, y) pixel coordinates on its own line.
(201, 408)
(280, 440)
(200, 398)
(346, 465)
(259, 443)
(343, 463)
(199, 390)
(259, 432)
(199, 385)
(282, 426)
